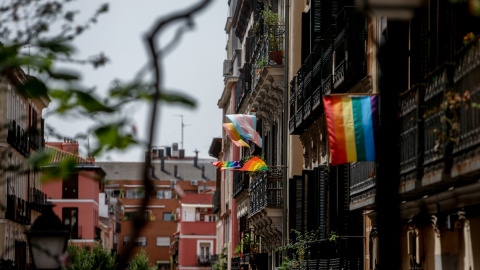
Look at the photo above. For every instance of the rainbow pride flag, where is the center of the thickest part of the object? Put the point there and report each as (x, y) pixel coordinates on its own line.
(246, 126)
(234, 136)
(254, 164)
(352, 122)
(224, 165)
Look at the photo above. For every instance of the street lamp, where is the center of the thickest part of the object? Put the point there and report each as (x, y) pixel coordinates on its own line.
(47, 240)
(392, 9)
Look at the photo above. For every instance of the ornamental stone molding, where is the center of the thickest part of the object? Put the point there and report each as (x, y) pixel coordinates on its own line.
(268, 225)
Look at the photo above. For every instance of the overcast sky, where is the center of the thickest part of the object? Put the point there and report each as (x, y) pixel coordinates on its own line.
(194, 68)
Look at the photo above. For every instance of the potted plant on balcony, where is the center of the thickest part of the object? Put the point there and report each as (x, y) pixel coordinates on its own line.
(272, 21)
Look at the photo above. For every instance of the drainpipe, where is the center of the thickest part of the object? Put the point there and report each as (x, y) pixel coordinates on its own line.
(285, 123)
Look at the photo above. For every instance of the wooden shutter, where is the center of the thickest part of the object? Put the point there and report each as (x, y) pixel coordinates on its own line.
(305, 36)
(321, 179)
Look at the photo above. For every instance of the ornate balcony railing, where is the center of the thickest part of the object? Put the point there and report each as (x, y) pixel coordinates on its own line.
(236, 263)
(436, 85)
(269, 52)
(349, 48)
(243, 86)
(240, 182)
(327, 48)
(216, 202)
(300, 98)
(467, 66)
(362, 184)
(17, 210)
(266, 191)
(36, 141)
(307, 87)
(17, 138)
(37, 199)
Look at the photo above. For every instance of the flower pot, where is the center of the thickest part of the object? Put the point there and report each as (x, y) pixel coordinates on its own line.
(277, 57)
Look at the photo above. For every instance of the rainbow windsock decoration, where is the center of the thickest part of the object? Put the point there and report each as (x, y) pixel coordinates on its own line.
(246, 126)
(254, 164)
(234, 136)
(224, 165)
(351, 122)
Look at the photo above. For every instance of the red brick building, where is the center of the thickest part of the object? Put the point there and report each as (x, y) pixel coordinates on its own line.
(170, 168)
(76, 198)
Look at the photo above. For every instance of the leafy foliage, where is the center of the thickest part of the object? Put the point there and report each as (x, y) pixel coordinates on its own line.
(82, 258)
(301, 250)
(140, 262)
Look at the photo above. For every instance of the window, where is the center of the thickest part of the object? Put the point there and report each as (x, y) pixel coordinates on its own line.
(163, 266)
(70, 187)
(163, 241)
(131, 215)
(135, 193)
(141, 241)
(211, 218)
(70, 220)
(204, 253)
(167, 216)
(126, 239)
(168, 194)
(160, 194)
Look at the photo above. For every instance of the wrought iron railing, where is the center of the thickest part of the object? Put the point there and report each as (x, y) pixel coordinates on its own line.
(300, 98)
(17, 138)
(37, 199)
(327, 48)
(362, 184)
(216, 202)
(437, 84)
(269, 52)
(236, 263)
(243, 86)
(292, 102)
(266, 191)
(240, 182)
(349, 48)
(17, 210)
(467, 70)
(204, 260)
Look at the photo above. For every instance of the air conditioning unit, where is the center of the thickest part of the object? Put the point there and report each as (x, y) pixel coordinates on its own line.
(194, 183)
(227, 67)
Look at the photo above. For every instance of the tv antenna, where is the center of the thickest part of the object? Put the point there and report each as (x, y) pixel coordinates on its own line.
(183, 126)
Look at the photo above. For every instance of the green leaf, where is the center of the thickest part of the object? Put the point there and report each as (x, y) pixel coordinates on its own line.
(60, 170)
(110, 137)
(91, 104)
(56, 46)
(65, 76)
(177, 98)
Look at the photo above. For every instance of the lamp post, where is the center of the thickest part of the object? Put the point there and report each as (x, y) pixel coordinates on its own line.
(47, 240)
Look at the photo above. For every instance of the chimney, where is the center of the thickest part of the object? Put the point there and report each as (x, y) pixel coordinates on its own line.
(70, 146)
(175, 150)
(91, 159)
(204, 186)
(203, 171)
(195, 159)
(175, 171)
(181, 154)
(162, 164)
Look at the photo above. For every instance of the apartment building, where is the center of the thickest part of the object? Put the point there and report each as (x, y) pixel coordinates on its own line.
(427, 66)
(172, 172)
(21, 133)
(76, 197)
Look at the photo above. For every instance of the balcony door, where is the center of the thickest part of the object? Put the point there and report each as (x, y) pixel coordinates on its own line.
(70, 220)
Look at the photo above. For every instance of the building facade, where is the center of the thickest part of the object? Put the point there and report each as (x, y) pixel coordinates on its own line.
(21, 133)
(281, 71)
(76, 197)
(171, 172)
(197, 231)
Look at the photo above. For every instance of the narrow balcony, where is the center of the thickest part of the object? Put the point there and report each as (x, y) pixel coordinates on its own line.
(17, 138)
(327, 49)
(363, 181)
(437, 85)
(411, 139)
(243, 86)
(292, 103)
(17, 210)
(267, 73)
(204, 260)
(266, 205)
(466, 154)
(37, 199)
(216, 202)
(349, 45)
(240, 183)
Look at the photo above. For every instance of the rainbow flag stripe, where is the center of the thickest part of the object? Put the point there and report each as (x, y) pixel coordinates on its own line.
(234, 136)
(224, 165)
(351, 122)
(254, 164)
